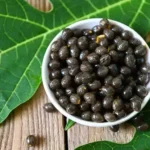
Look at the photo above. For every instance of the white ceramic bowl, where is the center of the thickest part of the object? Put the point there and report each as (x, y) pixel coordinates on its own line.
(89, 23)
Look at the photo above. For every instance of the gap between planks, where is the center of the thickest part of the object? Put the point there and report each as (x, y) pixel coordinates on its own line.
(31, 119)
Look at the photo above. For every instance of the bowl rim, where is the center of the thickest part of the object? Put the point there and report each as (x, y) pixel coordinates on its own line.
(53, 99)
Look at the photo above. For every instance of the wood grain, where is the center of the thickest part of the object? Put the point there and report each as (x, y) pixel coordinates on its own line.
(42, 5)
(80, 135)
(30, 118)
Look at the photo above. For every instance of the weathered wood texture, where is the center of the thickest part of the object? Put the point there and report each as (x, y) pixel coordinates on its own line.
(30, 118)
(80, 135)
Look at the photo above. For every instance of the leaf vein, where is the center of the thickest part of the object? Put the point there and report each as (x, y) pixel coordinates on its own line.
(22, 34)
(7, 82)
(145, 16)
(122, 9)
(6, 8)
(137, 13)
(22, 76)
(93, 6)
(68, 10)
(9, 72)
(23, 20)
(24, 42)
(133, 147)
(9, 37)
(64, 25)
(35, 37)
(6, 91)
(147, 3)
(26, 16)
(38, 60)
(18, 97)
(16, 53)
(104, 9)
(107, 3)
(28, 82)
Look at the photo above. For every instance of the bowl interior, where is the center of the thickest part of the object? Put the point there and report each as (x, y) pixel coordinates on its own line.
(89, 23)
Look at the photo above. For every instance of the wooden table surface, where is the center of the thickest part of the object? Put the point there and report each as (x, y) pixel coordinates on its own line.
(30, 118)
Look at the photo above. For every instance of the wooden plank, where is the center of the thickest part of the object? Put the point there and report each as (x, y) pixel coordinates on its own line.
(30, 118)
(42, 5)
(79, 135)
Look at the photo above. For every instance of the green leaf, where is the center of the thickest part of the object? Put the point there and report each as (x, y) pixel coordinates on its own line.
(141, 140)
(69, 124)
(26, 32)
